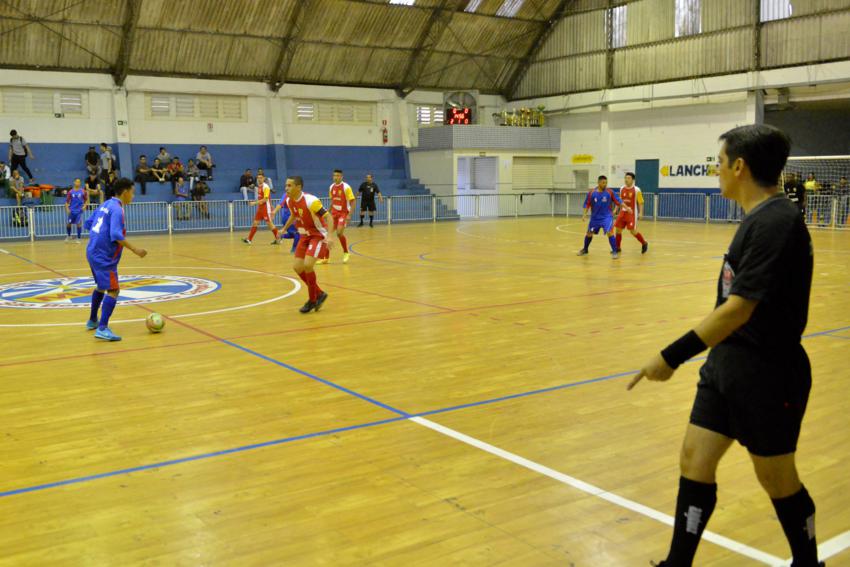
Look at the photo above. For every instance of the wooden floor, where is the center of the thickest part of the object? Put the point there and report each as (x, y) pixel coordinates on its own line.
(260, 436)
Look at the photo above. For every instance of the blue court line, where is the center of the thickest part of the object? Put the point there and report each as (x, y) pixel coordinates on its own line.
(373, 401)
(838, 337)
(202, 456)
(403, 416)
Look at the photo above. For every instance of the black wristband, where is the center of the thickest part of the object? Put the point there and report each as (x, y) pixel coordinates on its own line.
(682, 349)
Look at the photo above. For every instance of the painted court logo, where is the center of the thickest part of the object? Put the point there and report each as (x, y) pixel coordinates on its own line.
(70, 293)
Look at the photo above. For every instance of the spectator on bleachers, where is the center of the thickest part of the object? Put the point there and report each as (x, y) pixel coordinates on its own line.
(842, 205)
(159, 171)
(192, 173)
(92, 161)
(248, 183)
(267, 179)
(16, 184)
(106, 161)
(199, 192)
(181, 195)
(204, 161)
(143, 173)
(18, 152)
(175, 170)
(163, 156)
(93, 188)
(111, 179)
(5, 176)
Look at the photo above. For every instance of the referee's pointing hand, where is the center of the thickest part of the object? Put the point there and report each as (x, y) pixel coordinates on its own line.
(657, 369)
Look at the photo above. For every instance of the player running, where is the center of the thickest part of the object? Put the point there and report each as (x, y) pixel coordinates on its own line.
(308, 215)
(600, 201)
(264, 210)
(342, 205)
(630, 212)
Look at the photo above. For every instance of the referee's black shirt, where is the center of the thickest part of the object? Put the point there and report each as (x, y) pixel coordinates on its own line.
(770, 261)
(797, 193)
(368, 190)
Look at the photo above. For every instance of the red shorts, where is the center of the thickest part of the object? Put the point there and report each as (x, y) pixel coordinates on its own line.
(310, 246)
(263, 213)
(340, 221)
(625, 220)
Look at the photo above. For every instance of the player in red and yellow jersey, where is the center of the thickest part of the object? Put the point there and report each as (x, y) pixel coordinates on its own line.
(264, 210)
(342, 204)
(630, 212)
(310, 218)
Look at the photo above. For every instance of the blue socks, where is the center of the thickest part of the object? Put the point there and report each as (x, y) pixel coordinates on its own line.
(96, 299)
(68, 229)
(587, 240)
(108, 306)
(612, 240)
(79, 231)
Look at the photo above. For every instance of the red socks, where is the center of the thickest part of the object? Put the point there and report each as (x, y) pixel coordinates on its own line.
(276, 237)
(640, 238)
(315, 291)
(619, 240)
(252, 233)
(344, 242)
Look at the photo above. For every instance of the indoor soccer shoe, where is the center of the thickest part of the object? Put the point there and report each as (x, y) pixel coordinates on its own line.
(307, 307)
(615, 255)
(91, 325)
(644, 247)
(246, 241)
(106, 335)
(345, 258)
(323, 261)
(581, 252)
(275, 242)
(320, 300)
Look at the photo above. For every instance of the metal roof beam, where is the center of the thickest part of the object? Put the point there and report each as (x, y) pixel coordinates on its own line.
(289, 45)
(426, 43)
(539, 42)
(119, 73)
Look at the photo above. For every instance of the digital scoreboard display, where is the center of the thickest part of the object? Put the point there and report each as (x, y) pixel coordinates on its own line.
(456, 115)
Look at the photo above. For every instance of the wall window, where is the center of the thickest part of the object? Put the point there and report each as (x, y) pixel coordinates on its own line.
(776, 10)
(429, 115)
(617, 15)
(196, 107)
(688, 17)
(509, 8)
(335, 112)
(43, 102)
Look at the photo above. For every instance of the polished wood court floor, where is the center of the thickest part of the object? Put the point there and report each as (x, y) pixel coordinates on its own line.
(459, 400)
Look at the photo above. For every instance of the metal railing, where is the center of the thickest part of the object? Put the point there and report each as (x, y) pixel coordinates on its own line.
(49, 221)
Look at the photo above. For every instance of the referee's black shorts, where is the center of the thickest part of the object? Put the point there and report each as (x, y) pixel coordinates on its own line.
(754, 397)
(367, 205)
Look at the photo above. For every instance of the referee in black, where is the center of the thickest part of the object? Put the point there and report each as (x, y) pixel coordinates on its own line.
(755, 383)
(368, 189)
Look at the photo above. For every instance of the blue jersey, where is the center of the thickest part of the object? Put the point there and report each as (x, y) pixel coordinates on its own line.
(106, 228)
(76, 199)
(601, 204)
(182, 191)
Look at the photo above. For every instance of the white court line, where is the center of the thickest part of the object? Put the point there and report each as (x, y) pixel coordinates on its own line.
(717, 539)
(4, 251)
(185, 315)
(833, 547)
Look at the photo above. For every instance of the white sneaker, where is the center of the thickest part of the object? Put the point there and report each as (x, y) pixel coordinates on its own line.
(67, 239)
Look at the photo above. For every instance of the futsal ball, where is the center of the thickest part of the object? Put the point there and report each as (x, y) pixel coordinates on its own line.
(155, 322)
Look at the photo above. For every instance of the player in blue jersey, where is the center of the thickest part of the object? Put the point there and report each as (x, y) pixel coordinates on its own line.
(600, 201)
(107, 239)
(75, 202)
(291, 232)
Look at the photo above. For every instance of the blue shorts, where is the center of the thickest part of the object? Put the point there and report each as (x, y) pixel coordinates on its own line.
(180, 199)
(105, 277)
(606, 224)
(75, 218)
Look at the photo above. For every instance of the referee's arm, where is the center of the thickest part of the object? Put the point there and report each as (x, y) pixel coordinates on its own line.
(719, 324)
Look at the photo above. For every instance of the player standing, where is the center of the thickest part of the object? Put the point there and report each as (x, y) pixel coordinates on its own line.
(264, 210)
(600, 201)
(308, 215)
(630, 212)
(107, 239)
(342, 205)
(755, 384)
(75, 202)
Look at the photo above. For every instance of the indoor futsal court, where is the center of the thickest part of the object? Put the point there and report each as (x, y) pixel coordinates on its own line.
(460, 400)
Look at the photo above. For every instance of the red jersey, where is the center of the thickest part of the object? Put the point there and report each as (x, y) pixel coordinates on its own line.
(632, 198)
(307, 211)
(340, 195)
